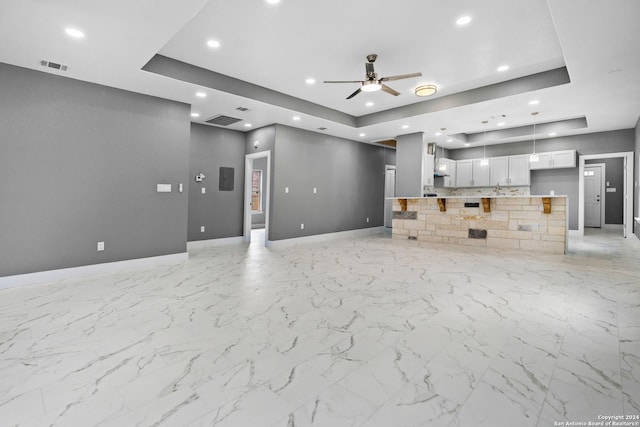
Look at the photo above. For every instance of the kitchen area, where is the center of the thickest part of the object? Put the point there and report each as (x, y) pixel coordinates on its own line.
(481, 202)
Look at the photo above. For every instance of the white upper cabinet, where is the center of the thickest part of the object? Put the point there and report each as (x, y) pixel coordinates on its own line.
(555, 160)
(499, 171)
(519, 170)
(481, 174)
(427, 170)
(464, 173)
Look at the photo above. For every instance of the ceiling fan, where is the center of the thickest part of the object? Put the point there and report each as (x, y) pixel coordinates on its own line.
(372, 83)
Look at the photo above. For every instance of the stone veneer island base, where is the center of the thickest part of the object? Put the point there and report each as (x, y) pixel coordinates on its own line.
(527, 223)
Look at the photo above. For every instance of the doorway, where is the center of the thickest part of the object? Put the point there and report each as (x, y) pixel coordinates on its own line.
(627, 190)
(389, 191)
(594, 195)
(257, 184)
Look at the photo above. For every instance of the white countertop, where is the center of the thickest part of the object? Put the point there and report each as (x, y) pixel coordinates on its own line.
(478, 197)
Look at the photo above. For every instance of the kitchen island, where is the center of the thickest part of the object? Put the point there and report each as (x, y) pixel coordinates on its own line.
(526, 223)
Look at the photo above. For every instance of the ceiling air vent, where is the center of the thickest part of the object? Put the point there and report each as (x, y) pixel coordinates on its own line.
(222, 120)
(322, 128)
(243, 109)
(54, 65)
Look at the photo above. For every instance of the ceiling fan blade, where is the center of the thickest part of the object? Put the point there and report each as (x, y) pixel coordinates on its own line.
(354, 93)
(390, 91)
(400, 77)
(343, 81)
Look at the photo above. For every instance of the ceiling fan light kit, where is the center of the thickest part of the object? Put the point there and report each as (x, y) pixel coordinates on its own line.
(426, 90)
(372, 83)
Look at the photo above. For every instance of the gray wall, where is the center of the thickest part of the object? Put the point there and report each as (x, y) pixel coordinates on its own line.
(220, 212)
(562, 181)
(257, 219)
(636, 178)
(614, 202)
(409, 165)
(79, 164)
(348, 175)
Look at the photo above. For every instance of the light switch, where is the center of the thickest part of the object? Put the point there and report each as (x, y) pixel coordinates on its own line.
(163, 188)
(286, 189)
(204, 190)
(315, 190)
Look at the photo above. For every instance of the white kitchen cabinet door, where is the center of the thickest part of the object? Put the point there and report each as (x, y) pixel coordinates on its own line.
(450, 174)
(499, 171)
(564, 159)
(464, 173)
(481, 174)
(544, 162)
(519, 173)
(427, 170)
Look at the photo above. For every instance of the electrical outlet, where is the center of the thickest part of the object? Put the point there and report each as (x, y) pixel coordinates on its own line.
(315, 190)
(100, 246)
(286, 189)
(535, 226)
(367, 219)
(202, 228)
(301, 226)
(204, 190)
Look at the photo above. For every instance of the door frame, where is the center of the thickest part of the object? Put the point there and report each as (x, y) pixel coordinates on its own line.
(603, 200)
(384, 216)
(248, 169)
(628, 189)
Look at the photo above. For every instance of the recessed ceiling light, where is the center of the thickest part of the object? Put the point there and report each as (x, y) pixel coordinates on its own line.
(273, 1)
(466, 144)
(75, 33)
(363, 134)
(503, 68)
(552, 134)
(296, 118)
(501, 124)
(213, 43)
(195, 115)
(369, 104)
(248, 125)
(464, 20)
(310, 81)
(534, 102)
(449, 140)
(438, 133)
(201, 94)
(405, 126)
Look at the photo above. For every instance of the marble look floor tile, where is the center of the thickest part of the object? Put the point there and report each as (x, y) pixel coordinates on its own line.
(414, 406)
(630, 365)
(334, 407)
(365, 331)
(383, 375)
(492, 406)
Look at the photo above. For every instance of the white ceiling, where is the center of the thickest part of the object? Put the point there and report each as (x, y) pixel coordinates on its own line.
(280, 46)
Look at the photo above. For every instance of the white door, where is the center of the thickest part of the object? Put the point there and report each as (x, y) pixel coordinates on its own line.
(592, 196)
(389, 191)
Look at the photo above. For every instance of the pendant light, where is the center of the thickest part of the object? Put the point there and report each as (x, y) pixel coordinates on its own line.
(442, 167)
(534, 157)
(484, 161)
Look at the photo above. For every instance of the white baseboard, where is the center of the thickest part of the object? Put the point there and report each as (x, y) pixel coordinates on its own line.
(325, 237)
(574, 233)
(89, 270)
(201, 244)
